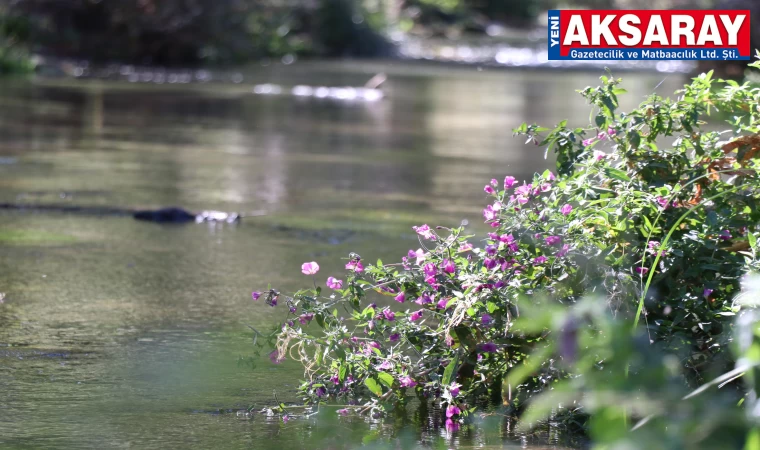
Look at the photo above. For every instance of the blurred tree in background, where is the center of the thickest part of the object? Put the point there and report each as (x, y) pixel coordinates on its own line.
(191, 32)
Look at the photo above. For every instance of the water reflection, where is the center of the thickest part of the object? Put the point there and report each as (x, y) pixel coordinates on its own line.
(117, 333)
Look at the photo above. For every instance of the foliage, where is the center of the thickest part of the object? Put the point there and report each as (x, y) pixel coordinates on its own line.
(14, 58)
(661, 224)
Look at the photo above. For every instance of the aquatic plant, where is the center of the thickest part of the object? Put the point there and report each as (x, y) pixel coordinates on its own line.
(650, 210)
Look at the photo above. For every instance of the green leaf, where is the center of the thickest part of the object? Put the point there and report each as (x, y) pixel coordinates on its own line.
(343, 372)
(374, 386)
(752, 241)
(616, 174)
(386, 379)
(448, 374)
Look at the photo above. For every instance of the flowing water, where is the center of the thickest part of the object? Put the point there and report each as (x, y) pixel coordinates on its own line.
(116, 333)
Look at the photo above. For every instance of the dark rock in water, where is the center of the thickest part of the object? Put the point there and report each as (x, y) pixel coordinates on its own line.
(179, 215)
(165, 215)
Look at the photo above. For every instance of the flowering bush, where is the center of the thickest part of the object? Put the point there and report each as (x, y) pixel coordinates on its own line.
(648, 209)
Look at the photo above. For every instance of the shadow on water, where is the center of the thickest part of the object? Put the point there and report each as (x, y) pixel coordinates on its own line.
(117, 333)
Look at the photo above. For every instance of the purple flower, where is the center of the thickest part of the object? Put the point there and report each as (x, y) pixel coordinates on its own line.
(488, 347)
(334, 283)
(430, 269)
(552, 240)
(641, 270)
(725, 235)
(389, 315)
(565, 250)
(425, 232)
(355, 265)
(424, 299)
(256, 295)
(566, 209)
(551, 176)
(539, 260)
(491, 249)
(545, 187)
(489, 263)
(494, 182)
(386, 365)
(275, 357)
(406, 381)
(415, 316)
(285, 418)
(465, 247)
(443, 302)
(394, 337)
(489, 190)
(310, 268)
(343, 412)
(401, 297)
(509, 181)
(305, 318)
(419, 254)
(486, 319)
(507, 238)
(599, 155)
(452, 411)
(662, 201)
(335, 379)
(454, 389)
(448, 266)
(452, 426)
(707, 292)
(611, 132)
(321, 392)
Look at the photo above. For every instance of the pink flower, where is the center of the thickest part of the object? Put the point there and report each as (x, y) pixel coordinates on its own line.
(589, 141)
(509, 181)
(356, 266)
(256, 295)
(599, 155)
(401, 297)
(551, 176)
(419, 255)
(305, 318)
(489, 190)
(415, 316)
(406, 381)
(552, 240)
(507, 238)
(454, 389)
(389, 315)
(489, 213)
(443, 302)
(491, 250)
(494, 182)
(539, 260)
(725, 235)
(430, 269)
(448, 266)
(424, 299)
(452, 426)
(394, 337)
(343, 412)
(662, 201)
(565, 250)
(641, 270)
(385, 365)
(452, 411)
(524, 190)
(334, 283)
(465, 247)
(310, 268)
(545, 187)
(285, 418)
(611, 132)
(489, 263)
(566, 209)
(425, 232)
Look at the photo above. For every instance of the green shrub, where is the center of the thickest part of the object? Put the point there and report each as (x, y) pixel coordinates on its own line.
(650, 210)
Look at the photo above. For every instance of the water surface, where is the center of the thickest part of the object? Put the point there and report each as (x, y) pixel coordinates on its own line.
(116, 333)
